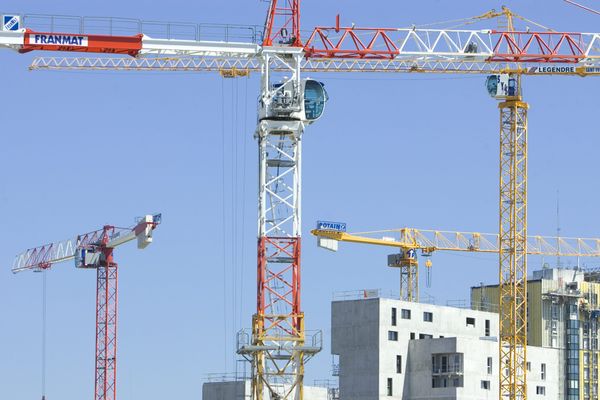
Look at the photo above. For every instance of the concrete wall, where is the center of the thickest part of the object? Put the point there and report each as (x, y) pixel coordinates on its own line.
(355, 338)
(447, 322)
(554, 376)
(475, 354)
(418, 382)
(236, 390)
(367, 357)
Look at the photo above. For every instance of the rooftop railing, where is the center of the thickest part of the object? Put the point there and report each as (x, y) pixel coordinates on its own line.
(113, 26)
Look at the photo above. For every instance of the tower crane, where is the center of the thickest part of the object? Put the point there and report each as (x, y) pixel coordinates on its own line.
(94, 250)
(411, 240)
(278, 345)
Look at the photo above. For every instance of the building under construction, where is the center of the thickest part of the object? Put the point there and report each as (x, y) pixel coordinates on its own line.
(563, 311)
(388, 348)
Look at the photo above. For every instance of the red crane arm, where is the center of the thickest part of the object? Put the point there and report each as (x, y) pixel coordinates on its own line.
(283, 24)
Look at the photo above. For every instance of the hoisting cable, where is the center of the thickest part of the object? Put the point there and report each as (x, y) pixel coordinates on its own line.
(242, 231)
(43, 334)
(224, 238)
(234, 202)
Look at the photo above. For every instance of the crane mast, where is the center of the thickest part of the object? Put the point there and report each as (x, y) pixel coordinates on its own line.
(283, 23)
(106, 325)
(277, 347)
(277, 351)
(513, 247)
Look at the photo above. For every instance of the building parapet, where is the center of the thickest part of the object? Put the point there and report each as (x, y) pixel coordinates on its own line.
(226, 377)
(364, 294)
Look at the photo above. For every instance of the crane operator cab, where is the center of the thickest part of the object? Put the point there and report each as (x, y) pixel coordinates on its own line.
(287, 102)
(404, 258)
(502, 86)
(88, 257)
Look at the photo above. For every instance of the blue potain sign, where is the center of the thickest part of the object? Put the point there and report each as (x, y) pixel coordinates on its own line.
(331, 226)
(11, 22)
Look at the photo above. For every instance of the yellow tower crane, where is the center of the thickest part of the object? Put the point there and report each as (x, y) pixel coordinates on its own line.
(410, 240)
(512, 236)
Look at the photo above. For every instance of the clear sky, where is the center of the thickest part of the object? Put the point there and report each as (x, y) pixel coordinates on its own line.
(81, 149)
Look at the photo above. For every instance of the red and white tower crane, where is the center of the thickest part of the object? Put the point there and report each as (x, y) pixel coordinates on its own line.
(94, 250)
(278, 345)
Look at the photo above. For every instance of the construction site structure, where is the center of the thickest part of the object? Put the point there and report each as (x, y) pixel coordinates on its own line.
(383, 347)
(409, 240)
(94, 250)
(563, 311)
(507, 53)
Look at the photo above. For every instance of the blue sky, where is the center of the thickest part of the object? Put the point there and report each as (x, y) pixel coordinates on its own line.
(81, 149)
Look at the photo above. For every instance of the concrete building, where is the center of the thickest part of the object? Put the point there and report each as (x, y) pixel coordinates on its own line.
(563, 312)
(392, 349)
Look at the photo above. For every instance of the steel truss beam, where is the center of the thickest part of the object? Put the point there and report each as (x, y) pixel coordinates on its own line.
(243, 66)
(487, 45)
(283, 23)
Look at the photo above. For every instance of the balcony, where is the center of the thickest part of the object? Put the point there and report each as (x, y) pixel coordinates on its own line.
(447, 370)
